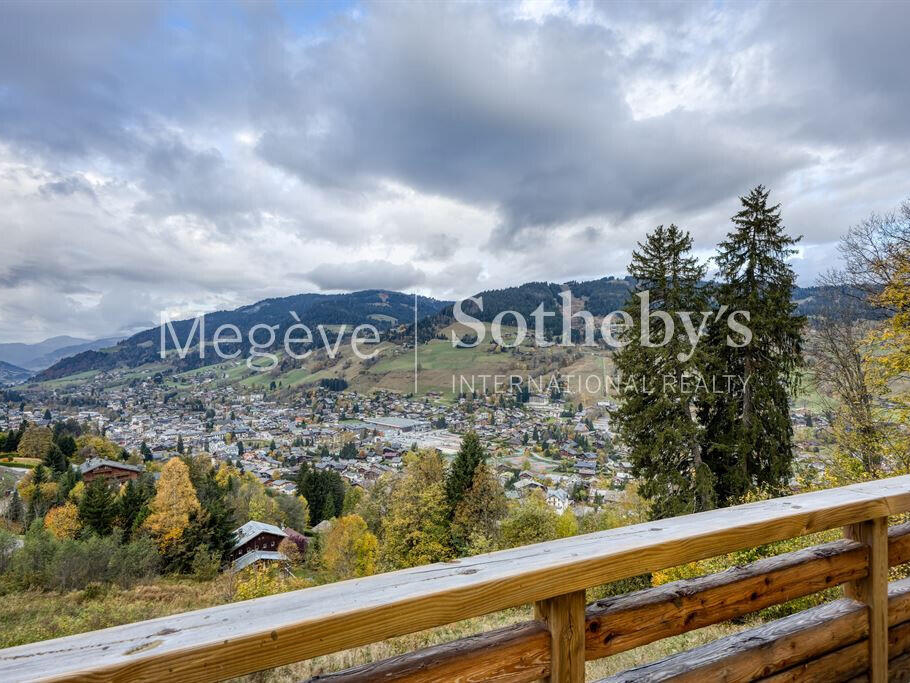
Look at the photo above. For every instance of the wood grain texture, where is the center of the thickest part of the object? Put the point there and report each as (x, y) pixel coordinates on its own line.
(231, 640)
(872, 590)
(848, 663)
(898, 544)
(778, 646)
(627, 621)
(564, 616)
(514, 654)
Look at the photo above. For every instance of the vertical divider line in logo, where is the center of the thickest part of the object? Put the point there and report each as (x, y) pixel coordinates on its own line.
(415, 343)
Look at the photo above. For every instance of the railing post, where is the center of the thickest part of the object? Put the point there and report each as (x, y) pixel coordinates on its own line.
(873, 591)
(565, 619)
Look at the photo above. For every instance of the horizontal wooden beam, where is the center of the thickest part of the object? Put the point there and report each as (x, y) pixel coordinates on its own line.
(847, 663)
(231, 640)
(627, 621)
(777, 646)
(513, 654)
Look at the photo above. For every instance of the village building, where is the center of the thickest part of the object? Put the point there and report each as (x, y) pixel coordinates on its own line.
(254, 537)
(100, 468)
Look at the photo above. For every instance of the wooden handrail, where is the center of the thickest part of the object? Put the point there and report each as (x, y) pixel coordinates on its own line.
(230, 640)
(617, 624)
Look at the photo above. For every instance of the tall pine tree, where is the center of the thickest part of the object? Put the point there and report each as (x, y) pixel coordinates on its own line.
(461, 475)
(748, 432)
(97, 508)
(657, 374)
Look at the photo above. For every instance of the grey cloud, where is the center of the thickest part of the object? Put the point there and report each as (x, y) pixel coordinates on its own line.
(437, 245)
(365, 275)
(70, 185)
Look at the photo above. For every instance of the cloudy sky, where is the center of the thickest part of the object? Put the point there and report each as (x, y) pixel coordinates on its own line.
(186, 157)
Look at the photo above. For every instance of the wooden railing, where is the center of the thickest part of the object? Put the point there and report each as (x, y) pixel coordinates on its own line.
(854, 636)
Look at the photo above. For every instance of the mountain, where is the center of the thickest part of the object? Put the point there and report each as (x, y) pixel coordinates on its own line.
(599, 297)
(48, 359)
(11, 374)
(381, 308)
(23, 354)
(45, 353)
(391, 312)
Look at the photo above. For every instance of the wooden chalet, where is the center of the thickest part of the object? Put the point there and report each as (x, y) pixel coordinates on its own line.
(112, 470)
(256, 537)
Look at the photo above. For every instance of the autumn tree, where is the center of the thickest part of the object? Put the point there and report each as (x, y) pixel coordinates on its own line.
(293, 511)
(264, 508)
(91, 445)
(531, 521)
(479, 512)
(349, 549)
(63, 521)
(175, 499)
(416, 529)
(39, 492)
(35, 442)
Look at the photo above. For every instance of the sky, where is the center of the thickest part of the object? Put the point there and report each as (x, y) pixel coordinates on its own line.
(192, 157)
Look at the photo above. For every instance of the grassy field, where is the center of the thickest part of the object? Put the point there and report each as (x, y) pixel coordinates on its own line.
(31, 615)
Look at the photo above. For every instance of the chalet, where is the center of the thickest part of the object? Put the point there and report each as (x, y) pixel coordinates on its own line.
(254, 536)
(558, 499)
(95, 468)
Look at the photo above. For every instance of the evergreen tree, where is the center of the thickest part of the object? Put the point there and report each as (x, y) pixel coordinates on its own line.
(97, 509)
(145, 452)
(316, 486)
(240, 449)
(54, 459)
(67, 445)
(469, 456)
(67, 482)
(180, 444)
(479, 511)
(133, 506)
(14, 511)
(748, 430)
(328, 506)
(657, 367)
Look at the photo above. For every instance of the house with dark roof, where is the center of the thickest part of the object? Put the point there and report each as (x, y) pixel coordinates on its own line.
(112, 470)
(259, 541)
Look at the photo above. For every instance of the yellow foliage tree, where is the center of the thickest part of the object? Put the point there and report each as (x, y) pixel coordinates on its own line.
(89, 445)
(75, 494)
(261, 580)
(63, 521)
(264, 508)
(35, 443)
(567, 524)
(349, 549)
(415, 529)
(224, 473)
(175, 499)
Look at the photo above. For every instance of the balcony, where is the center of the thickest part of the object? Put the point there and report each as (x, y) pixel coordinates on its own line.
(863, 636)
